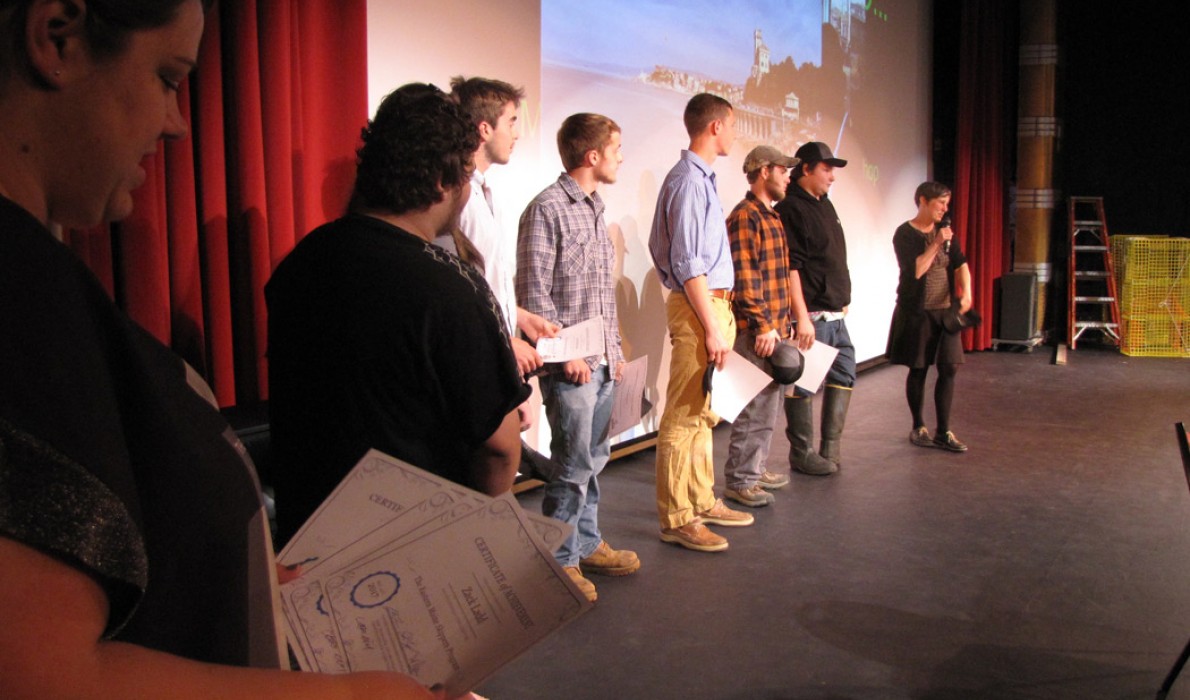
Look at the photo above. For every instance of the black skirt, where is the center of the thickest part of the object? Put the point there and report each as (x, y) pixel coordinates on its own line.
(917, 339)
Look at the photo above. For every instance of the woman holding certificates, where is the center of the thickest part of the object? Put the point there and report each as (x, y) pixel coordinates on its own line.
(135, 556)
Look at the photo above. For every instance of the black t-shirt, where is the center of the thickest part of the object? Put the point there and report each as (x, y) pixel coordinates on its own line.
(379, 339)
(817, 249)
(110, 461)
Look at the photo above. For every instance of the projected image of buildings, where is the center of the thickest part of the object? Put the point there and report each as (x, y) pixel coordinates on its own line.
(801, 97)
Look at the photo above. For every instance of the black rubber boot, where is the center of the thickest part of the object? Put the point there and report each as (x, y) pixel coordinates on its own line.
(799, 428)
(834, 414)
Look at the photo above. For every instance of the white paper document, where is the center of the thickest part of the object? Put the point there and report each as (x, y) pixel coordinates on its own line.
(580, 340)
(447, 589)
(627, 398)
(377, 490)
(734, 386)
(816, 362)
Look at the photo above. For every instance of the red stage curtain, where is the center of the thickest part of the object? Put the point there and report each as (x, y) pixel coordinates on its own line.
(276, 107)
(983, 151)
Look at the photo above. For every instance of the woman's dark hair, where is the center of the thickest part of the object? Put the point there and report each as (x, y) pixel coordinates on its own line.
(418, 139)
(109, 24)
(930, 190)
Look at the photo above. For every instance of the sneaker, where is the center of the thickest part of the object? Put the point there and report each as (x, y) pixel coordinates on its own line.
(751, 496)
(921, 437)
(720, 514)
(694, 536)
(948, 441)
(769, 480)
(606, 561)
(587, 588)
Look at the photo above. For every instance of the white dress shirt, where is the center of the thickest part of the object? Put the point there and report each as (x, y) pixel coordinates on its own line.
(480, 223)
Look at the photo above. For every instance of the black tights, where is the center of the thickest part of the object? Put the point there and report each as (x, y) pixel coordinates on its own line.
(915, 392)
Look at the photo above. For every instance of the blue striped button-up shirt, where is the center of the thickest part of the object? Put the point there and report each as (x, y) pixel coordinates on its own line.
(564, 262)
(689, 236)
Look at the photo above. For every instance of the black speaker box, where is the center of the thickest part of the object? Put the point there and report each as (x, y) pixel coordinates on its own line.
(1018, 305)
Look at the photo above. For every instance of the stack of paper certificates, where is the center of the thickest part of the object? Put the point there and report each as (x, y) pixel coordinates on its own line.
(405, 571)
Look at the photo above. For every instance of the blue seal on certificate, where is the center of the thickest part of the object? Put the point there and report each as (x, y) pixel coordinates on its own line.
(375, 589)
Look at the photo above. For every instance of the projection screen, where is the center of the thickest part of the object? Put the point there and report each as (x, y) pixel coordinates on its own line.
(852, 73)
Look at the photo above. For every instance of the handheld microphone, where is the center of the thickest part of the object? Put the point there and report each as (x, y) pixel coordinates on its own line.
(945, 223)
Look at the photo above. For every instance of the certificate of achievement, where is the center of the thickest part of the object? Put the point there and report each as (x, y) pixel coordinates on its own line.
(309, 627)
(378, 489)
(627, 400)
(816, 362)
(734, 386)
(580, 340)
(450, 605)
(447, 588)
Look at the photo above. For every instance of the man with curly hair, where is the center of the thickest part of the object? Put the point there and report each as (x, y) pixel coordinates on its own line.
(380, 339)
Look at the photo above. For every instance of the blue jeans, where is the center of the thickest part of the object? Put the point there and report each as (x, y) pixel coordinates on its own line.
(752, 431)
(579, 415)
(842, 371)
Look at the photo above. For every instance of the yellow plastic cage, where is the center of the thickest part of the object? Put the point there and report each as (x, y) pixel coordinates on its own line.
(1153, 276)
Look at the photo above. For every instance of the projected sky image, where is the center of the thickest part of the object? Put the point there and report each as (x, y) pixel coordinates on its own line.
(701, 36)
(793, 70)
(845, 72)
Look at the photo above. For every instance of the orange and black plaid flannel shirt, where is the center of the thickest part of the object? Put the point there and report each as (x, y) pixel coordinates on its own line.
(761, 259)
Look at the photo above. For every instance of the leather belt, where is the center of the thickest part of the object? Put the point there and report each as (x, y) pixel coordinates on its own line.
(725, 294)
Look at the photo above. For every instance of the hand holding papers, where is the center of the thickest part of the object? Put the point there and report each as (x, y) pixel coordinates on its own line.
(735, 385)
(409, 572)
(816, 362)
(581, 340)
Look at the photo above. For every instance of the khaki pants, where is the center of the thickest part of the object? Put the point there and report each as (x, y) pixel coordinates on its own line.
(685, 463)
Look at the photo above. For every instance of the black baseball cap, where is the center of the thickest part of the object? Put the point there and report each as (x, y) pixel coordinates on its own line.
(815, 152)
(786, 365)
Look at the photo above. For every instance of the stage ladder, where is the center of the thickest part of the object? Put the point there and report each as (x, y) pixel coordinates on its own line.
(1092, 298)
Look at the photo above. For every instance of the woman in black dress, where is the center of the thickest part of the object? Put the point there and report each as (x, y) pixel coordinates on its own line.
(935, 283)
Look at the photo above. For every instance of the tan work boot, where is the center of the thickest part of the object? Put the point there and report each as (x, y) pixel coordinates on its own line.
(720, 514)
(606, 561)
(771, 481)
(583, 584)
(694, 536)
(752, 496)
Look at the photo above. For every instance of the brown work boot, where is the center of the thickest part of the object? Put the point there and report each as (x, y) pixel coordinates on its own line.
(694, 536)
(606, 561)
(583, 584)
(720, 514)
